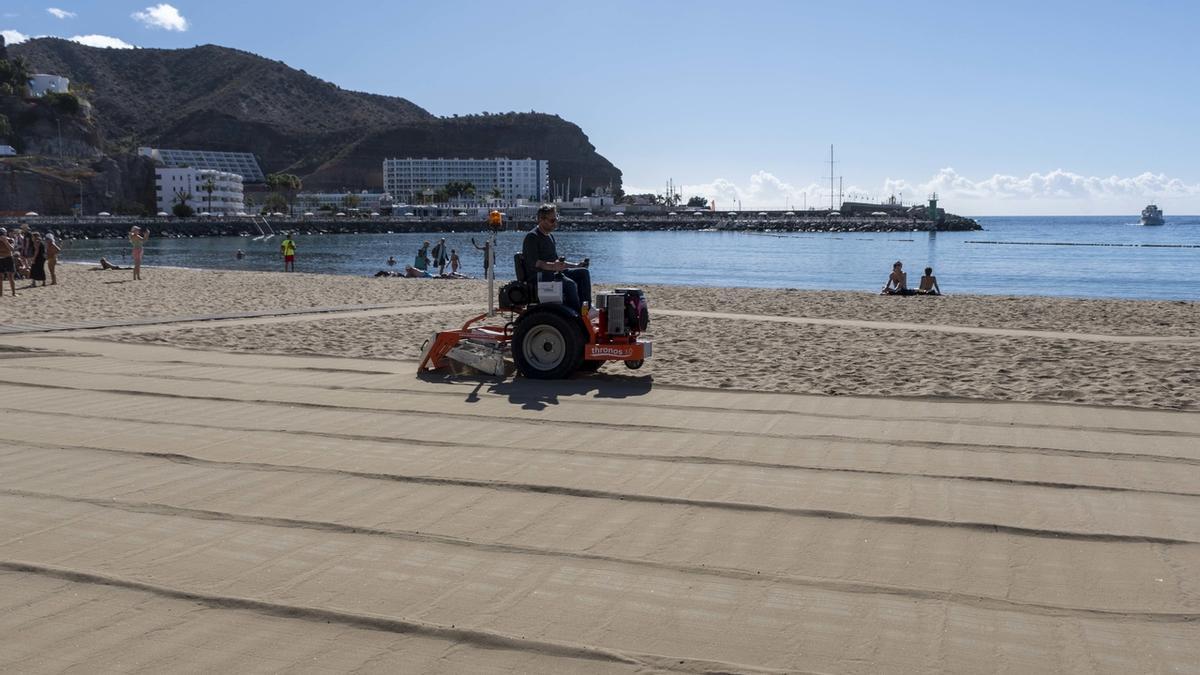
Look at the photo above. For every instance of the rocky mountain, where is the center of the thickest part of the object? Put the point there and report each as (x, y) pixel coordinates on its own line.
(216, 98)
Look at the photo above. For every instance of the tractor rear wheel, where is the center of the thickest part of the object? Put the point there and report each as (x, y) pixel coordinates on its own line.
(547, 346)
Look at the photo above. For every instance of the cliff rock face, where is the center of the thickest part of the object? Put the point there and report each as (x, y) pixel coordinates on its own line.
(516, 135)
(38, 127)
(122, 184)
(216, 98)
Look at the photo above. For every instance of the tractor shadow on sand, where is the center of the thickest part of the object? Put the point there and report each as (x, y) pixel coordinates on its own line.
(540, 394)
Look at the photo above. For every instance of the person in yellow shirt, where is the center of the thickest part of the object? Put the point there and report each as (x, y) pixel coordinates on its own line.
(288, 248)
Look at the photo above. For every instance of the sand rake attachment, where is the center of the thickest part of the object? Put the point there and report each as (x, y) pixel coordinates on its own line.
(481, 348)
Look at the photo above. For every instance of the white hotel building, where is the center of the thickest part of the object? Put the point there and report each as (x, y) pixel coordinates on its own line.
(514, 178)
(227, 197)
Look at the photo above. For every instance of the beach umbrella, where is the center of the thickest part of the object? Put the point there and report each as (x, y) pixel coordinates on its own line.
(790, 213)
(163, 213)
(879, 213)
(339, 213)
(762, 213)
(308, 214)
(205, 213)
(619, 213)
(104, 213)
(833, 213)
(697, 213)
(31, 213)
(408, 213)
(732, 213)
(587, 213)
(462, 213)
(671, 213)
(277, 215)
(374, 214)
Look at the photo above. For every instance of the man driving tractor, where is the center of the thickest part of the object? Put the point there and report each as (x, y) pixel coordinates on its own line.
(541, 256)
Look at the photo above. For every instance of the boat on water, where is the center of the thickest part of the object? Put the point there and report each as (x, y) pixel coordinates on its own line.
(1151, 215)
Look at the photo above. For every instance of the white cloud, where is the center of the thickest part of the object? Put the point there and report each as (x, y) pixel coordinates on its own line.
(13, 37)
(1058, 185)
(1058, 191)
(61, 13)
(101, 41)
(764, 190)
(162, 16)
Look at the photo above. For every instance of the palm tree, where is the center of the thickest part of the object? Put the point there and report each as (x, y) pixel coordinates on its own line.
(209, 186)
(286, 184)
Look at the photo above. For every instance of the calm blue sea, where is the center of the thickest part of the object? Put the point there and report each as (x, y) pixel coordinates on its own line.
(1063, 256)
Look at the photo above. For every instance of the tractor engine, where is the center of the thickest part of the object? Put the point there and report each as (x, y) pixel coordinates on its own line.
(623, 312)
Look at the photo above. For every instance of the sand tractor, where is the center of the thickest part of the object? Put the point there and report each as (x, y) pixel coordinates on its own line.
(545, 338)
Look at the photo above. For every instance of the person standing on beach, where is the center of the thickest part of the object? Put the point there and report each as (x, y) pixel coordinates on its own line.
(287, 248)
(25, 245)
(440, 256)
(454, 261)
(487, 254)
(422, 260)
(37, 268)
(137, 238)
(8, 263)
(52, 251)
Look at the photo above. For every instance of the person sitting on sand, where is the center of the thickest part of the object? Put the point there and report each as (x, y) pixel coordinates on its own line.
(897, 283)
(929, 285)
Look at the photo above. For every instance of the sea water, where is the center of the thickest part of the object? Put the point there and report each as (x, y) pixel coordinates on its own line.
(1060, 256)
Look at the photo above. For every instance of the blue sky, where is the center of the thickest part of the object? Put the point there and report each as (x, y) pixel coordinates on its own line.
(1004, 108)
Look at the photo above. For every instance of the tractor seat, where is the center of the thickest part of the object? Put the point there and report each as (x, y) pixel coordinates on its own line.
(526, 276)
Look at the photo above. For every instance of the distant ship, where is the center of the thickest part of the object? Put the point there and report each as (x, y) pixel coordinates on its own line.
(1151, 215)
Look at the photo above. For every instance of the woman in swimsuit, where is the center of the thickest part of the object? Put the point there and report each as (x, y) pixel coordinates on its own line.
(136, 240)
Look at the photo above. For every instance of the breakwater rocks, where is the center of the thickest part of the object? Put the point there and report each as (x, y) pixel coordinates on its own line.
(118, 226)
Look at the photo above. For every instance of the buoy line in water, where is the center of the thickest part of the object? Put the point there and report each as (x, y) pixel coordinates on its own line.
(1071, 243)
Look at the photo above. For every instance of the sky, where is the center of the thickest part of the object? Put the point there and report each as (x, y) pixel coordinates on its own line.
(1002, 108)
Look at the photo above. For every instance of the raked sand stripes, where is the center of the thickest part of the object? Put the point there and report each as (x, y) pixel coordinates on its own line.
(170, 509)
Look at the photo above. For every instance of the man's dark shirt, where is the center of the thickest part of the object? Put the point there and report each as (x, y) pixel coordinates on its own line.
(538, 246)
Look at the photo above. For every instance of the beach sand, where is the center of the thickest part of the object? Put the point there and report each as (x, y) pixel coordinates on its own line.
(1000, 485)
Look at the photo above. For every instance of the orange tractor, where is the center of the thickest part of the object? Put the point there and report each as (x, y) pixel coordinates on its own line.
(545, 338)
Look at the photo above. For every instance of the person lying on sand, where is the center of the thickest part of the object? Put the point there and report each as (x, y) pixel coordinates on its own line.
(929, 284)
(105, 265)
